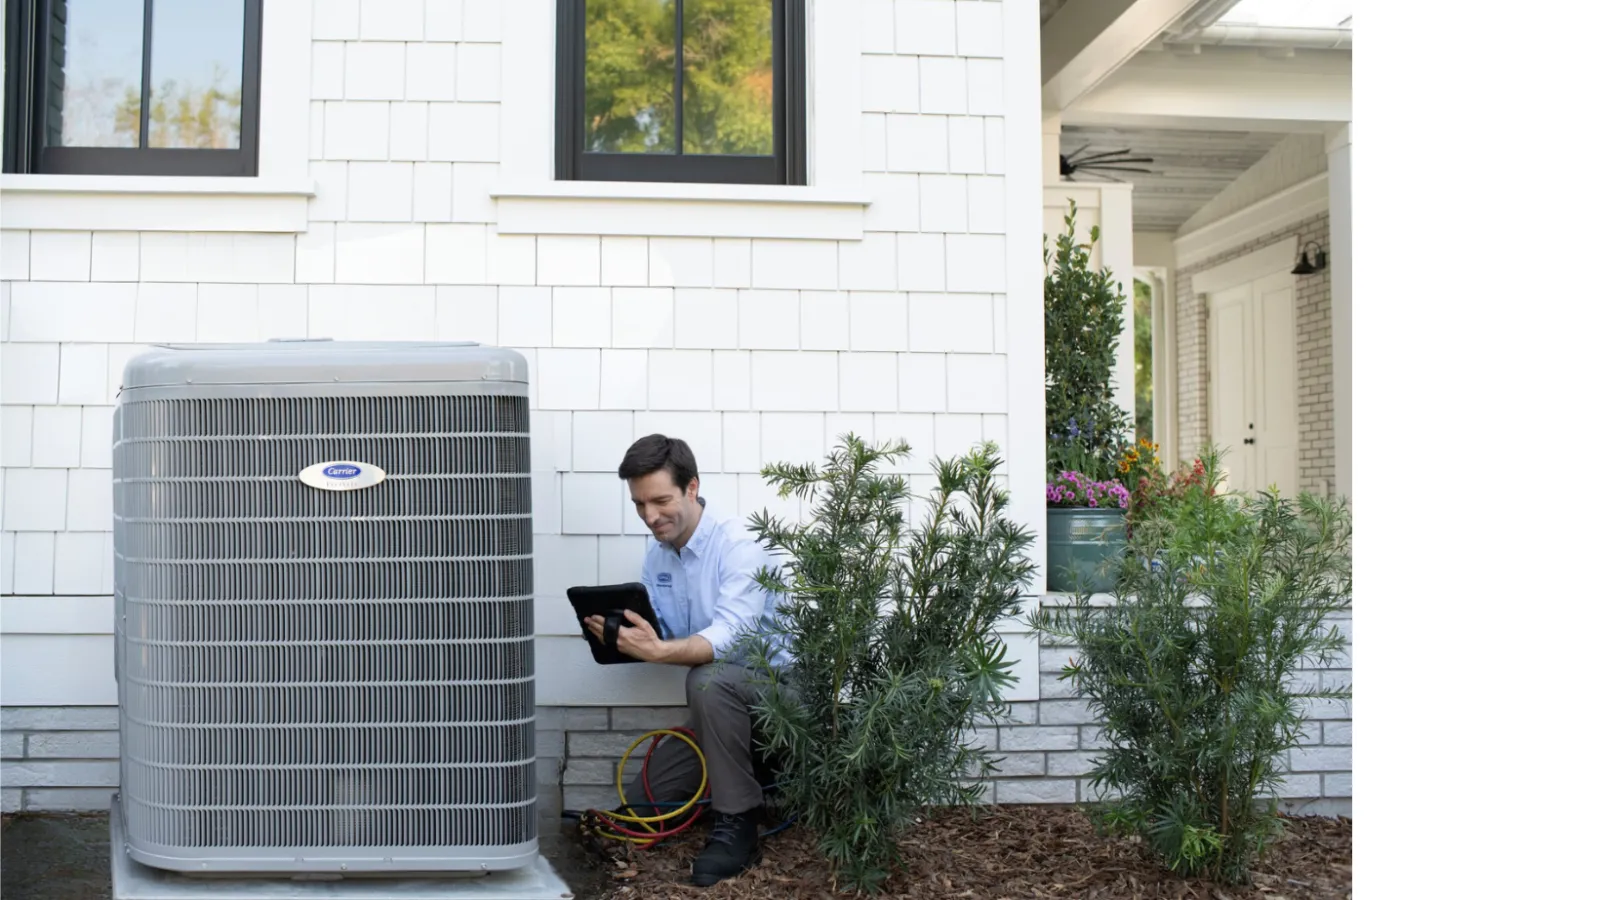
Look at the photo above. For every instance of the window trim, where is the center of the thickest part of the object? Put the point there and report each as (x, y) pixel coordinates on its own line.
(787, 165)
(27, 22)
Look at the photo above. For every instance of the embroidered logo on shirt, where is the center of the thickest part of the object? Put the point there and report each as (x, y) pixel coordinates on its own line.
(664, 578)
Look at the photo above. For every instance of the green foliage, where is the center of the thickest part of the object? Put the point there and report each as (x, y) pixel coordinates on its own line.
(1143, 357)
(1192, 669)
(1156, 493)
(895, 654)
(629, 64)
(727, 77)
(1083, 315)
(630, 68)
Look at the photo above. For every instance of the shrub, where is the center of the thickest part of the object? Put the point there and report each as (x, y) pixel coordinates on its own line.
(1192, 668)
(892, 630)
(1083, 318)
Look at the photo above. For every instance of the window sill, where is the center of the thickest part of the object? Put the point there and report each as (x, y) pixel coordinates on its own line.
(651, 209)
(151, 203)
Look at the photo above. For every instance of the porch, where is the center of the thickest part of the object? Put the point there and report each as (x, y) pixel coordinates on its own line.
(1239, 111)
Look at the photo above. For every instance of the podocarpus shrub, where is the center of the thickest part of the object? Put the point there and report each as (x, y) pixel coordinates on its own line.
(892, 630)
(1192, 667)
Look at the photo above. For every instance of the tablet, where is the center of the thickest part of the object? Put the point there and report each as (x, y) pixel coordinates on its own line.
(608, 601)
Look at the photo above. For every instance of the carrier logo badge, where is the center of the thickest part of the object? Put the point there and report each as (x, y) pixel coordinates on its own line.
(341, 475)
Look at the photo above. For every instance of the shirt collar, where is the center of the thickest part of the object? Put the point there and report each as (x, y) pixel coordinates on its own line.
(702, 532)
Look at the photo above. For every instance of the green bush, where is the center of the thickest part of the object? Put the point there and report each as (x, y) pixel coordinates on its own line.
(1192, 668)
(1083, 317)
(892, 630)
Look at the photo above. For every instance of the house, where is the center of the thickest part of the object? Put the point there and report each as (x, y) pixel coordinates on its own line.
(843, 235)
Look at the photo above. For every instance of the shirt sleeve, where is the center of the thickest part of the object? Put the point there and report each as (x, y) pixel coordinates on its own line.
(741, 601)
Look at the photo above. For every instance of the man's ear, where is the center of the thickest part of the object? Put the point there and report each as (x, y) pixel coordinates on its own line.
(693, 490)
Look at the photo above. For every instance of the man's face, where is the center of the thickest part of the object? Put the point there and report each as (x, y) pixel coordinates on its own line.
(669, 513)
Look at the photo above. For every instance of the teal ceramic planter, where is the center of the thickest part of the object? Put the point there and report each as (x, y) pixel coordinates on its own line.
(1083, 549)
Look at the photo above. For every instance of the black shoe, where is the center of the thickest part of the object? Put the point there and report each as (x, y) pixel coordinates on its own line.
(733, 847)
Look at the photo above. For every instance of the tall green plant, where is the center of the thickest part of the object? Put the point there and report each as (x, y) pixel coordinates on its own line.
(1192, 669)
(1083, 317)
(895, 654)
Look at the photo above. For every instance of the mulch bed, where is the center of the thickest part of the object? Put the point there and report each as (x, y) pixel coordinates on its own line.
(1006, 853)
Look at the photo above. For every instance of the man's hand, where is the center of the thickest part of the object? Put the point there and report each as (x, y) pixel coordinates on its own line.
(639, 642)
(642, 643)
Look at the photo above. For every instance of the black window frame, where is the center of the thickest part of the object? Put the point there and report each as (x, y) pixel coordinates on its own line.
(787, 165)
(28, 25)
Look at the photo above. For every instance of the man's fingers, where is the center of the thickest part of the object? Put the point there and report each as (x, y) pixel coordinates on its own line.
(634, 617)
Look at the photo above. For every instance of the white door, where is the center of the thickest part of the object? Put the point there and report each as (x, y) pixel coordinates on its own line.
(1254, 385)
(1233, 360)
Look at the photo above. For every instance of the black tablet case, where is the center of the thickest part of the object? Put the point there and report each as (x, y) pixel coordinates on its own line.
(608, 601)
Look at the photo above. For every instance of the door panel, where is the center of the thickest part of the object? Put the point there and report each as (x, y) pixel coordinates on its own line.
(1277, 431)
(1232, 361)
(1255, 385)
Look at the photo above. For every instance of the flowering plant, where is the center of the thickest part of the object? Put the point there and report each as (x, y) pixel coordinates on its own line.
(1139, 462)
(1073, 490)
(1154, 492)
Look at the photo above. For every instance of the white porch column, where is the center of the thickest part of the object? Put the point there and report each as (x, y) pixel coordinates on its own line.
(1339, 240)
(1050, 149)
(1116, 254)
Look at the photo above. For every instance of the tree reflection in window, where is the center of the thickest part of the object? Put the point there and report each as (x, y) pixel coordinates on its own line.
(684, 79)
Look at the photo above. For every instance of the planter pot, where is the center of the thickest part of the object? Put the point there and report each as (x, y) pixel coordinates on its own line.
(1083, 549)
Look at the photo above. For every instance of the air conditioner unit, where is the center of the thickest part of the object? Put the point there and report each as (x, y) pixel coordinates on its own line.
(324, 609)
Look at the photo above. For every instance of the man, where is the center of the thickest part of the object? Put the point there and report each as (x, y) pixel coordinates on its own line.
(700, 571)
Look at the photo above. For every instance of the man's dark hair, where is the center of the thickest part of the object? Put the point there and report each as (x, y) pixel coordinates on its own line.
(655, 452)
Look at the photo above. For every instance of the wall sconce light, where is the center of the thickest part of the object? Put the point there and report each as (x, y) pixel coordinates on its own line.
(1306, 266)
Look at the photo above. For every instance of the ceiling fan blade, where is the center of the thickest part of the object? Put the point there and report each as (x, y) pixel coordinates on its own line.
(1119, 160)
(1106, 154)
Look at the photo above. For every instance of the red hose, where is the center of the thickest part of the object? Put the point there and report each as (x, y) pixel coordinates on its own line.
(651, 835)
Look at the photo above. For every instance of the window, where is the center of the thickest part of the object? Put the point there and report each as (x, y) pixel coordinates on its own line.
(132, 87)
(681, 90)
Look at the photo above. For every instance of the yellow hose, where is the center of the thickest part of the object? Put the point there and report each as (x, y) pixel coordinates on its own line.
(649, 822)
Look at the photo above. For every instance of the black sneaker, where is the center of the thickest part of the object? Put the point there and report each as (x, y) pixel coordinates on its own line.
(732, 848)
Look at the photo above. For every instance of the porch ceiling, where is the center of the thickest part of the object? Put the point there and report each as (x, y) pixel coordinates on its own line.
(1190, 167)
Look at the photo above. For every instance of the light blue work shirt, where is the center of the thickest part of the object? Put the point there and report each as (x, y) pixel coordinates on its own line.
(710, 587)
